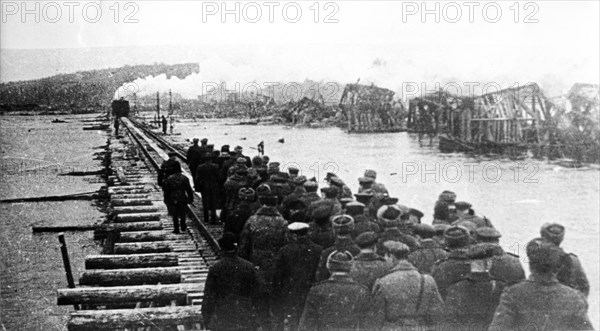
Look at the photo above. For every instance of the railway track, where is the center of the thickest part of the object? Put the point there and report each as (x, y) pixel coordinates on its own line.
(147, 278)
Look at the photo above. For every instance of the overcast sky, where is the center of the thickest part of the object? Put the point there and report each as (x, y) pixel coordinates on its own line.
(382, 39)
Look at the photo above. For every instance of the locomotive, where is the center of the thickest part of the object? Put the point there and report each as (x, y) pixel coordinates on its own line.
(120, 108)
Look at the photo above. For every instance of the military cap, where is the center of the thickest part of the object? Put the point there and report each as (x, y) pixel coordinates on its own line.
(311, 186)
(371, 174)
(266, 159)
(240, 160)
(298, 226)
(329, 175)
(273, 168)
(366, 239)
(339, 261)
(246, 194)
(415, 212)
(423, 230)
(487, 233)
(300, 180)
(387, 200)
(355, 208)
(345, 201)
(263, 189)
(257, 161)
(343, 224)
(484, 251)
(456, 236)
(330, 192)
(225, 148)
(364, 197)
(336, 181)
(398, 249)
(462, 205)
(238, 148)
(293, 170)
(321, 212)
(227, 242)
(448, 197)
(389, 215)
(440, 228)
(544, 256)
(195, 140)
(365, 180)
(553, 232)
(172, 153)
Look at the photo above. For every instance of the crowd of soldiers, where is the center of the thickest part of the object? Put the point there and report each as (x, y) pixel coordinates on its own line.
(294, 259)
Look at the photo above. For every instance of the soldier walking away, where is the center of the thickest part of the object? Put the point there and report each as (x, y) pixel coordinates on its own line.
(242, 212)
(410, 300)
(178, 194)
(368, 266)
(470, 303)
(296, 268)
(117, 123)
(458, 264)
(264, 234)
(167, 168)
(164, 123)
(571, 274)
(342, 227)
(542, 302)
(505, 266)
(207, 183)
(194, 157)
(229, 291)
(424, 257)
(338, 303)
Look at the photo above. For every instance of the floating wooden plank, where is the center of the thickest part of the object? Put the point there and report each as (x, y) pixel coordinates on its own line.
(137, 276)
(123, 294)
(131, 261)
(141, 236)
(137, 217)
(154, 318)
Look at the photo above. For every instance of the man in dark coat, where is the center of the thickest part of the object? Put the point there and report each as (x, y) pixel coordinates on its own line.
(368, 266)
(207, 183)
(311, 194)
(471, 302)
(296, 268)
(458, 264)
(465, 213)
(571, 274)
(361, 223)
(264, 234)
(505, 266)
(541, 302)
(389, 217)
(164, 124)
(424, 257)
(330, 200)
(177, 194)
(242, 212)
(338, 303)
(320, 231)
(231, 189)
(410, 300)
(229, 290)
(167, 168)
(194, 156)
(342, 226)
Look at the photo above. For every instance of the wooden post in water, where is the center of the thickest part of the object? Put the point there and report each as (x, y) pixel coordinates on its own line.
(67, 264)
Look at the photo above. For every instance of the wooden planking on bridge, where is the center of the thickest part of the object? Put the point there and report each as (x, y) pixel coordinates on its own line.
(142, 236)
(156, 318)
(131, 261)
(130, 202)
(132, 226)
(122, 294)
(134, 276)
(135, 209)
(137, 217)
(153, 247)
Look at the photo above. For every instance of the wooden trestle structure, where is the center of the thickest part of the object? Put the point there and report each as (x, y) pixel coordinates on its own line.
(501, 122)
(369, 109)
(147, 278)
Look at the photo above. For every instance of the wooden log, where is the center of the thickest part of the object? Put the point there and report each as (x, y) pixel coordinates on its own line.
(61, 228)
(135, 276)
(123, 294)
(137, 217)
(140, 236)
(155, 318)
(144, 247)
(131, 226)
(129, 196)
(131, 261)
(130, 202)
(125, 189)
(134, 209)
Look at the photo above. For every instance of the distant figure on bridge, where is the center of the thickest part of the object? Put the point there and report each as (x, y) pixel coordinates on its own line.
(164, 124)
(117, 123)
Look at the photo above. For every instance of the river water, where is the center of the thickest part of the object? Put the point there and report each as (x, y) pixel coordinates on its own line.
(517, 196)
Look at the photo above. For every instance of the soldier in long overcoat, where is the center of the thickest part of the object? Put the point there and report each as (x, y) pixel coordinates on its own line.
(368, 265)
(430, 251)
(178, 194)
(207, 183)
